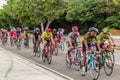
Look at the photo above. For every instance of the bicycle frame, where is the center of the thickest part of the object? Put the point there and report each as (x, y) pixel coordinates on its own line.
(91, 61)
(47, 51)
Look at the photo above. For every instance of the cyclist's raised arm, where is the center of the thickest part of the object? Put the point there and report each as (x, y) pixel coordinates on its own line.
(69, 39)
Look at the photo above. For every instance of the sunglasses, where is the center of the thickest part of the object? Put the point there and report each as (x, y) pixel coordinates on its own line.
(105, 33)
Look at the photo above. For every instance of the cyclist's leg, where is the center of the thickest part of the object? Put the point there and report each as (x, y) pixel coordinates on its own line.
(84, 52)
(39, 42)
(69, 48)
(45, 44)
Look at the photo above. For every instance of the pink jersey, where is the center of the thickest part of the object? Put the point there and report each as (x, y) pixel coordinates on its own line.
(12, 33)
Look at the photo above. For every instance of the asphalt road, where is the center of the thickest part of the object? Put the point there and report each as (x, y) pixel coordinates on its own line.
(58, 63)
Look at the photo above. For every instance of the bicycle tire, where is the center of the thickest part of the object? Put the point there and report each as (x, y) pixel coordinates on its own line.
(43, 56)
(108, 65)
(78, 56)
(38, 52)
(18, 45)
(94, 73)
(62, 46)
(112, 57)
(49, 57)
(56, 51)
(68, 63)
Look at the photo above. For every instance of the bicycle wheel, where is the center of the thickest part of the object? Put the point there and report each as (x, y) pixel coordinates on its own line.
(27, 43)
(62, 46)
(18, 45)
(68, 61)
(11, 41)
(43, 56)
(94, 70)
(111, 54)
(108, 65)
(3, 42)
(56, 51)
(38, 52)
(78, 57)
(49, 57)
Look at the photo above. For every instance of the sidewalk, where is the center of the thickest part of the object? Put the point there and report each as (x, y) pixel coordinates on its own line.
(13, 67)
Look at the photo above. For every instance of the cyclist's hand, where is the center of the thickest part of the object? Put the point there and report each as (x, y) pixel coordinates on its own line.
(71, 46)
(88, 51)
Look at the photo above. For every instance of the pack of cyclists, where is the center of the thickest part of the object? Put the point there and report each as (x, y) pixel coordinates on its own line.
(102, 40)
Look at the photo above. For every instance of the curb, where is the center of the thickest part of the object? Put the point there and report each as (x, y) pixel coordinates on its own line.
(42, 66)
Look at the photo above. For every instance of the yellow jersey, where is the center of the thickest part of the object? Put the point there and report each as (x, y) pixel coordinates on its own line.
(46, 36)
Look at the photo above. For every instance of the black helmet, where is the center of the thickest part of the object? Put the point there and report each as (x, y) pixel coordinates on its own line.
(93, 29)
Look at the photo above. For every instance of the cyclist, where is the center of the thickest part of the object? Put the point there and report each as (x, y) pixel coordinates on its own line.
(36, 37)
(90, 36)
(47, 37)
(60, 33)
(54, 33)
(26, 35)
(104, 39)
(4, 34)
(112, 40)
(12, 35)
(72, 41)
(18, 34)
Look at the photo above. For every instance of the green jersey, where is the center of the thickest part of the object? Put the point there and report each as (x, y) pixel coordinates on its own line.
(102, 36)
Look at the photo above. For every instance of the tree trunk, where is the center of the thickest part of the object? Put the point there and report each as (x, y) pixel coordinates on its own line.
(49, 22)
(42, 26)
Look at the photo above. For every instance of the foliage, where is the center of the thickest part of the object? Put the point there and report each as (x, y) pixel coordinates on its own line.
(65, 13)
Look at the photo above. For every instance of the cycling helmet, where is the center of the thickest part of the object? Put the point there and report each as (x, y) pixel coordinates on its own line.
(59, 29)
(105, 30)
(37, 29)
(93, 29)
(26, 28)
(48, 30)
(74, 28)
(54, 30)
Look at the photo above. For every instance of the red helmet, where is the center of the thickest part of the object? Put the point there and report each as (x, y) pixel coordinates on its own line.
(74, 28)
(48, 30)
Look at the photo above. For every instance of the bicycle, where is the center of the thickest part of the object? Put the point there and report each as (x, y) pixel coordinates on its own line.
(107, 62)
(61, 44)
(18, 44)
(26, 43)
(4, 41)
(92, 64)
(12, 41)
(37, 49)
(74, 57)
(47, 53)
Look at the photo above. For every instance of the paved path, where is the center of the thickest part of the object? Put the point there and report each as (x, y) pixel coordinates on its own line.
(13, 67)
